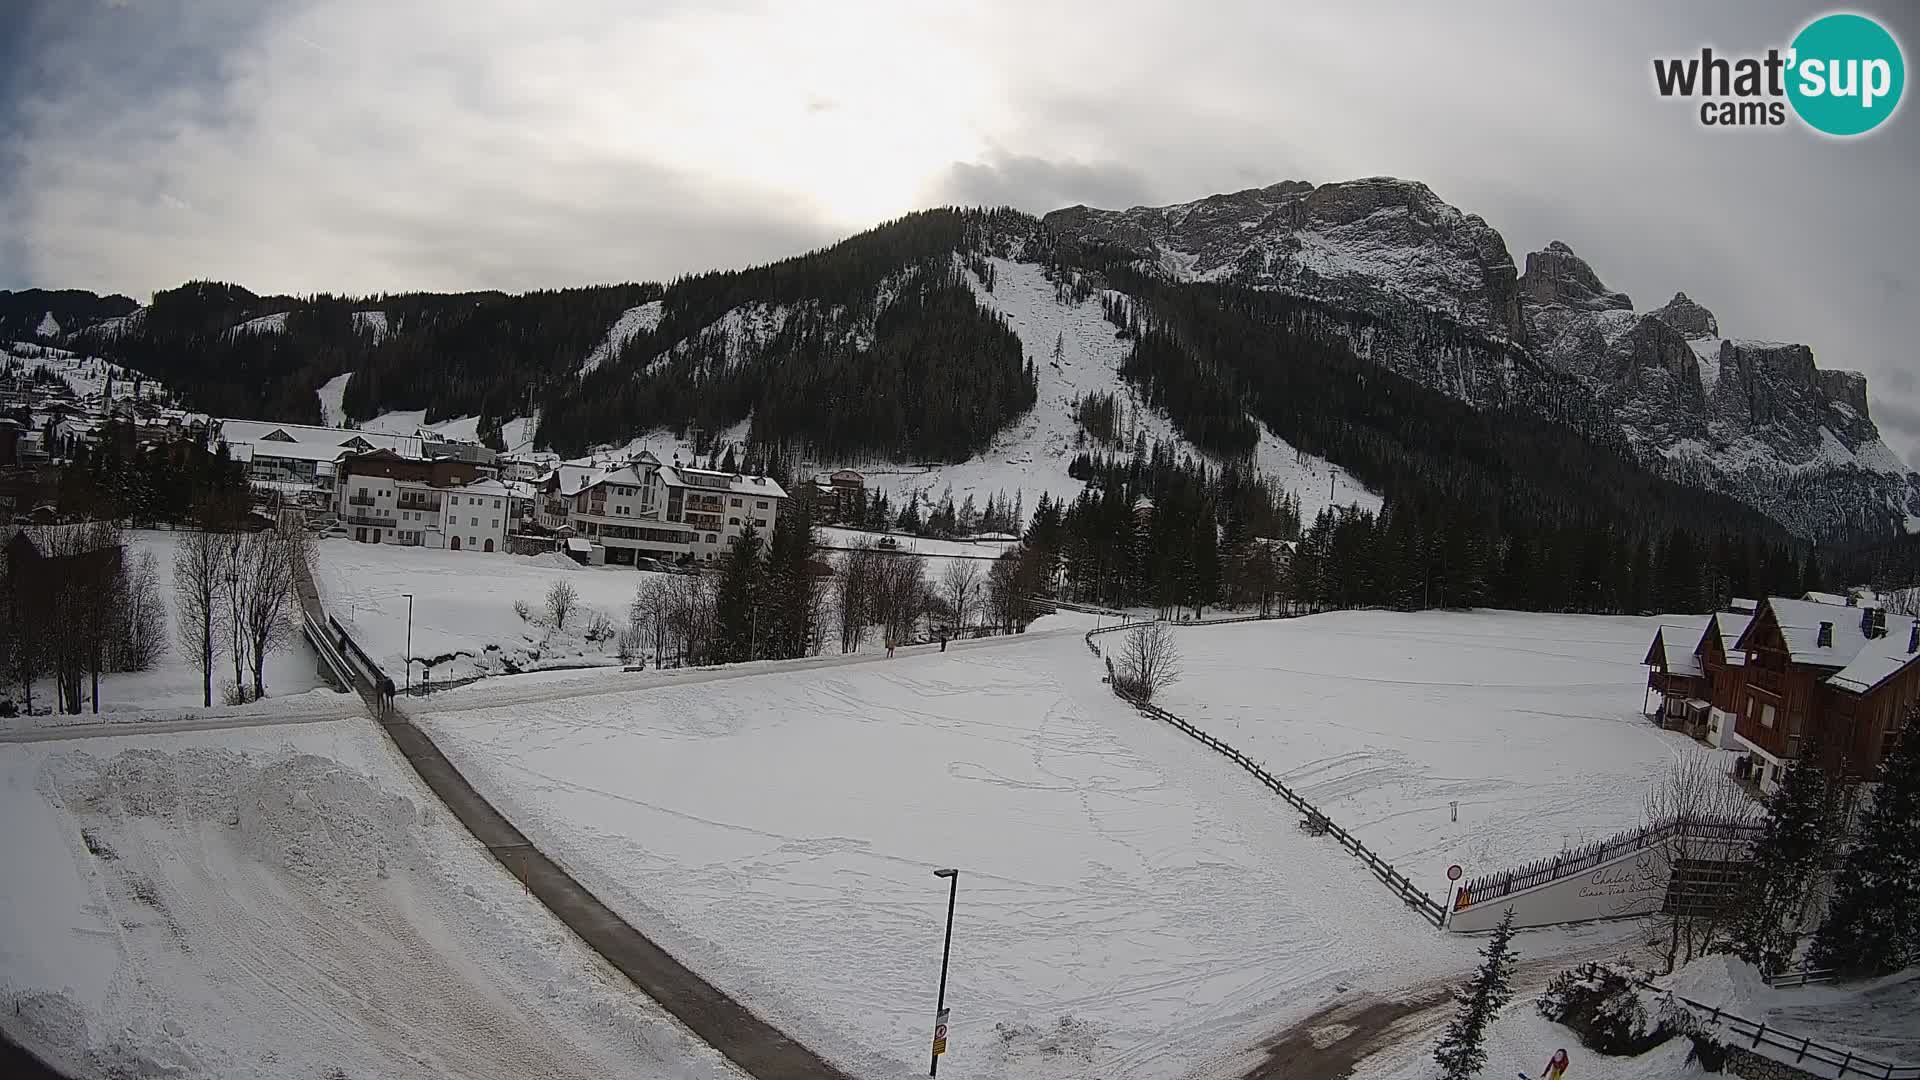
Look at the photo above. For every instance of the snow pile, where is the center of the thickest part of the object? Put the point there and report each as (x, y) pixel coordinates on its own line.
(632, 322)
(1386, 720)
(1722, 982)
(49, 326)
(264, 904)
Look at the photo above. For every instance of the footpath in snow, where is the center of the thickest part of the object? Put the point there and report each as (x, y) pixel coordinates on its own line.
(1531, 723)
(1130, 904)
(288, 902)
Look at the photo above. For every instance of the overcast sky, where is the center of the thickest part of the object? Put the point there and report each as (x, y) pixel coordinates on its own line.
(372, 145)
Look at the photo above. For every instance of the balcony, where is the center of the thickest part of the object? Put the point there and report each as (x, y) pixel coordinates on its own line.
(384, 521)
(429, 505)
(1766, 680)
(360, 500)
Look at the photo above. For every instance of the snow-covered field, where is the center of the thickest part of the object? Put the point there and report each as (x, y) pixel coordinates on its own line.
(1530, 722)
(1130, 905)
(463, 618)
(288, 902)
(172, 687)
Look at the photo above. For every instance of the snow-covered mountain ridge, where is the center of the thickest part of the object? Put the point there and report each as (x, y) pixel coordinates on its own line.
(1756, 420)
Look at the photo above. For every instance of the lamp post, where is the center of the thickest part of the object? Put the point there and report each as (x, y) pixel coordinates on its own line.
(409, 597)
(940, 1009)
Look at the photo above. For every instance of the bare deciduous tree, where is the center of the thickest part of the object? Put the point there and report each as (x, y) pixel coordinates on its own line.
(958, 585)
(266, 611)
(142, 629)
(562, 599)
(859, 575)
(1149, 661)
(197, 609)
(1696, 795)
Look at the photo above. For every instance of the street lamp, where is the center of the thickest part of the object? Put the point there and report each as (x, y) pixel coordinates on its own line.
(940, 1009)
(409, 597)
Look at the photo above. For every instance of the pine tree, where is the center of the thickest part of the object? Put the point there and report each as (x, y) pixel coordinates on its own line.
(1462, 1050)
(737, 599)
(1786, 863)
(1873, 922)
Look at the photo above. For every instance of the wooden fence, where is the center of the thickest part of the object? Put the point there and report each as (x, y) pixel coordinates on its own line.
(1756, 1034)
(1586, 857)
(1410, 894)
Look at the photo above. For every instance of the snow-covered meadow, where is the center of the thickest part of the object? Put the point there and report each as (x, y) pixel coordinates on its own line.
(1130, 905)
(288, 902)
(1531, 723)
(464, 623)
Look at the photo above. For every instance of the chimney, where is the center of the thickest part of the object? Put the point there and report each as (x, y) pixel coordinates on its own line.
(1873, 623)
(1853, 600)
(1913, 638)
(1825, 640)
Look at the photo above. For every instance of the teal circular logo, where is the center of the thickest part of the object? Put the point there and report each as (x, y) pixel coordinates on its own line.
(1846, 75)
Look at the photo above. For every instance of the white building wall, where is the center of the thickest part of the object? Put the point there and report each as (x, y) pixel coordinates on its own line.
(1632, 884)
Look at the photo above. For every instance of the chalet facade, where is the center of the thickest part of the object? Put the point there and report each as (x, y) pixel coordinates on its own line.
(1844, 675)
(1699, 676)
(386, 498)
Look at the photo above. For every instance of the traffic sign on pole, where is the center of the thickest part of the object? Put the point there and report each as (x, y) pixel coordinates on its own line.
(940, 1033)
(1453, 872)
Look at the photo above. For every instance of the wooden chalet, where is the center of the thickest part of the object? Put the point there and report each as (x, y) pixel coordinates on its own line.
(1847, 674)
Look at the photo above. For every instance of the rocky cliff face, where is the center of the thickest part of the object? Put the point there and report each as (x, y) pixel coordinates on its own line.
(1758, 420)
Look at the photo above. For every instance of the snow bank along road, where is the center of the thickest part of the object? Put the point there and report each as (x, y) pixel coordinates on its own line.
(288, 902)
(1131, 905)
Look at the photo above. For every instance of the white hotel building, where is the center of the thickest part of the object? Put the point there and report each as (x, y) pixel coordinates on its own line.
(646, 510)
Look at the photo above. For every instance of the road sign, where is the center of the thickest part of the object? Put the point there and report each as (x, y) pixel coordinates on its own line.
(940, 1033)
(1453, 872)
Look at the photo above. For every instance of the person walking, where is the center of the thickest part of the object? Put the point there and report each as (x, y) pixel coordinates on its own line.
(889, 645)
(1556, 1066)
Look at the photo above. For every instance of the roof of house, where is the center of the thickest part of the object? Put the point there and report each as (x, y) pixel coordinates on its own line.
(1678, 644)
(485, 486)
(257, 431)
(1730, 626)
(1880, 660)
(578, 544)
(291, 451)
(1741, 603)
(1800, 622)
(1857, 598)
(1863, 662)
(760, 487)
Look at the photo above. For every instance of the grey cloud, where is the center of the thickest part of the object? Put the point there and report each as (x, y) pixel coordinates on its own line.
(1037, 184)
(360, 145)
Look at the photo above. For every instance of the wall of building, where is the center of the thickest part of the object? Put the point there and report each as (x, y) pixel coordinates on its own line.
(1630, 885)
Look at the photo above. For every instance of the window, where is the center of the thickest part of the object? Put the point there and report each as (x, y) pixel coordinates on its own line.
(733, 521)
(761, 505)
(495, 525)
(471, 541)
(712, 539)
(760, 522)
(474, 522)
(361, 491)
(1766, 716)
(735, 502)
(496, 506)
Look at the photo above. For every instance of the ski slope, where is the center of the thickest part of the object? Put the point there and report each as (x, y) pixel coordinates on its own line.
(289, 903)
(1129, 906)
(331, 393)
(1530, 722)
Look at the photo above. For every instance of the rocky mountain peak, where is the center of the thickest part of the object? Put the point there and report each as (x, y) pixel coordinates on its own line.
(1556, 275)
(1692, 320)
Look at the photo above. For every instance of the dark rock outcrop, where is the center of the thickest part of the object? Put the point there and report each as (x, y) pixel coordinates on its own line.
(1689, 318)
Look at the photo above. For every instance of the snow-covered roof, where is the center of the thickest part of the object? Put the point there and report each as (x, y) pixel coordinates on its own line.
(580, 545)
(1800, 622)
(265, 431)
(1877, 662)
(760, 487)
(1677, 643)
(1731, 626)
(1853, 600)
(483, 487)
(1740, 603)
